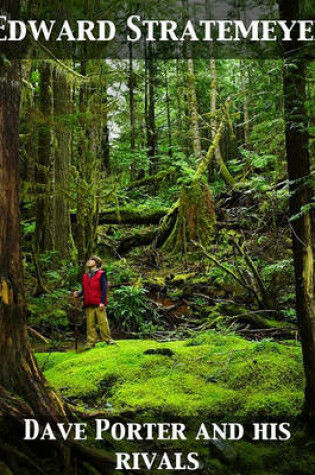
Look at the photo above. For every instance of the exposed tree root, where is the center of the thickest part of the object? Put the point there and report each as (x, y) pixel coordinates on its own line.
(32, 457)
(94, 457)
(8, 451)
(25, 394)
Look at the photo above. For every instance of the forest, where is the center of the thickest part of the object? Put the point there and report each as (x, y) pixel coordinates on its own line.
(193, 180)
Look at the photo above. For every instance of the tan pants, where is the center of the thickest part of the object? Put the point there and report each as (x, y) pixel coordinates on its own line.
(93, 313)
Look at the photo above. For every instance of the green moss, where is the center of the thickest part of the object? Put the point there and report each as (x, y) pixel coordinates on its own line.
(157, 280)
(195, 219)
(200, 280)
(183, 277)
(46, 361)
(264, 405)
(218, 376)
(175, 293)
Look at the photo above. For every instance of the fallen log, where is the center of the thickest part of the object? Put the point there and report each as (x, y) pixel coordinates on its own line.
(257, 321)
(136, 240)
(129, 216)
(260, 333)
(132, 216)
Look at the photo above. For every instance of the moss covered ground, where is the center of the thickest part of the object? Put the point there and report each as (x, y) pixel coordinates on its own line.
(212, 377)
(219, 376)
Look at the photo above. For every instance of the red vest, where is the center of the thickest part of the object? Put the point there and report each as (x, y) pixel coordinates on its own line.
(92, 292)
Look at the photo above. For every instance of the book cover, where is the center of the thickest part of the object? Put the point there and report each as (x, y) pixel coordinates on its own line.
(157, 309)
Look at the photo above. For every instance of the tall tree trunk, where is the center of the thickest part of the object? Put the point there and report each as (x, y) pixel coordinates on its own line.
(187, 115)
(146, 107)
(213, 108)
(105, 140)
(105, 150)
(193, 104)
(191, 92)
(298, 160)
(150, 116)
(62, 97)
(132, 113)
(168, 109)
(243, 70)
(89, 169)
(18, 367)
(183, 116)
(227, 177)
(213, 91)
(24, 392)
(80, 235)
(19, 373)
(29, 128)
(45, 214)
(180, 133)
(23, 389)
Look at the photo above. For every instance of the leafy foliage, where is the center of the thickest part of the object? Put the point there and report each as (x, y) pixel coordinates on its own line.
(131, 309)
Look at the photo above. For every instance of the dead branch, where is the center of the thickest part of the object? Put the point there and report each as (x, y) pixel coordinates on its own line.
(38, 335)
(264, 294)
(230, 272)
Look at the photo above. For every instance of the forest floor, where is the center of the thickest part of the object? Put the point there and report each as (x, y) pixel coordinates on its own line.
(182, 355)
(210, 377)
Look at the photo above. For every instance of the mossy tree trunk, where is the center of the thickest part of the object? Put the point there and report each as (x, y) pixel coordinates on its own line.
(194, 121)
(298, 159)
(27, 121)
(193, 216)
(88, 167)
(62, 96)
(24, 392)
(45, 174)
(301, 196)
(23, 389)
(243, 70)
(131, 85)
(180, 124)
(150, 93)
(105, 149)
(185, 130)
(213, 108)
(168, 109)
(88, 164)
(226, 175)
(80, 234)
(193, 107)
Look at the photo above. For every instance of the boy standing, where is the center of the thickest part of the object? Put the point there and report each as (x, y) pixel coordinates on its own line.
(94, 292)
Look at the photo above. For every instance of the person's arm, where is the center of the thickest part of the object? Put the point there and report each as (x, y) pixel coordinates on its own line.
(103, 288)
(78, 293)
